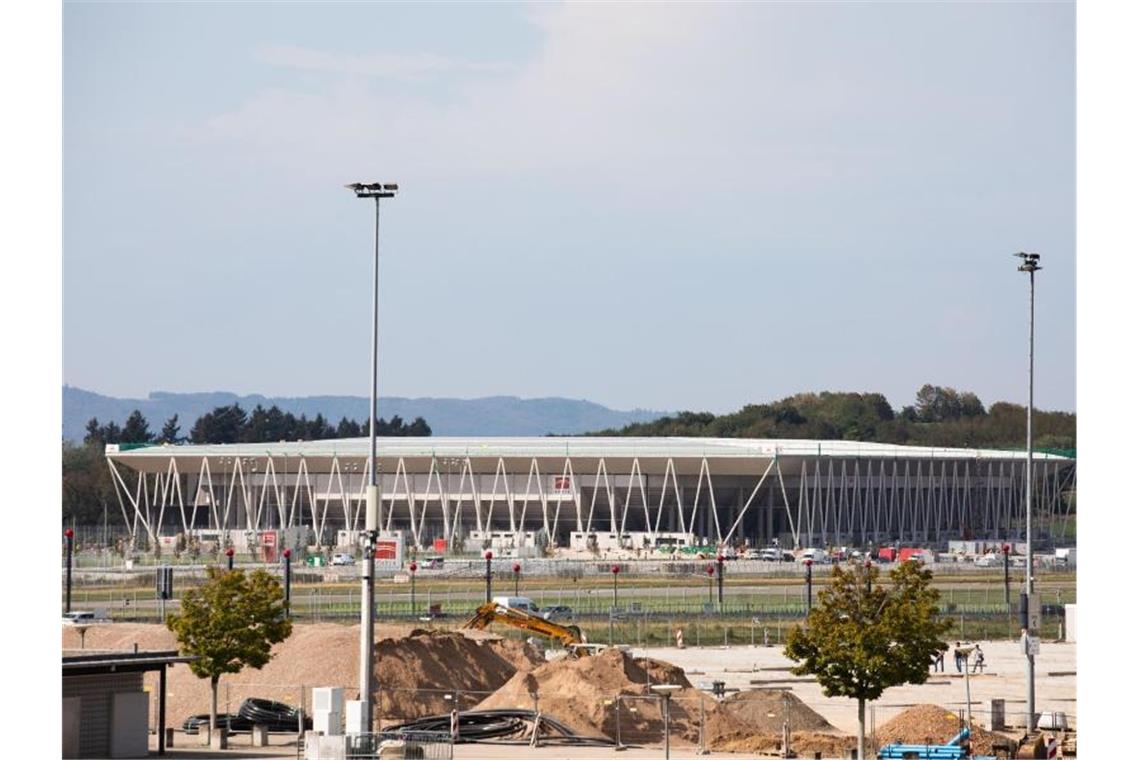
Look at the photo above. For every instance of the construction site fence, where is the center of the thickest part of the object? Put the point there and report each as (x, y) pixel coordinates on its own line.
(638, 720)
(406, 745)
(625, 719)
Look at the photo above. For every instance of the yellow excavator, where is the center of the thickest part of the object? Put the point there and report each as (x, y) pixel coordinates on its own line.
(570, 636)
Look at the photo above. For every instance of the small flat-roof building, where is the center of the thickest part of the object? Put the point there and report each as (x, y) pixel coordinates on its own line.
(106, 712)
(716, 490)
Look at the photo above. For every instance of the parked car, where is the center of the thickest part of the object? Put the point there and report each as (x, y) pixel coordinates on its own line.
(343, 559)
(557, 612)
(987, 560)
(84, 617)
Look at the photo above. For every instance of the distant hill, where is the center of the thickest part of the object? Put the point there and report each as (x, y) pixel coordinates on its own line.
(493, 415)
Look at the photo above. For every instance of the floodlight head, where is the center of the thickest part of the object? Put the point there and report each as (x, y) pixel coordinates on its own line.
(1029, 261)
(666, 689)
(374, 189)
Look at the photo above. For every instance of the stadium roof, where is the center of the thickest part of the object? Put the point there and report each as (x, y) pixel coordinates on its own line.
(148, 457)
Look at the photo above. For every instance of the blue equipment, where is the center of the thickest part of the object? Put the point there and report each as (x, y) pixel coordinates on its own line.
(957, 748)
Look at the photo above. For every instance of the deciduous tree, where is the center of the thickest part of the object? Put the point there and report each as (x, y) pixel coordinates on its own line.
(862, 637)
(230, 622)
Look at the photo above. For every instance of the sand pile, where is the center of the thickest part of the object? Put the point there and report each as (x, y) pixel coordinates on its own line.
(804, 744)
(416, 672)
(580, 693)
(930, 724)
(326, 654)
(754, 707)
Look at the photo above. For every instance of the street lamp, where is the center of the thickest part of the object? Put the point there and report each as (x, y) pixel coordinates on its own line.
(1005, 571)
(710, 571)
(666, 690)
(69, 534)
(720, 581)
(412, 569)
(1029, 263)
(517, 568)
(615, 570)
(488, 557)
(807, 564)
(288, 554)
(229, 558)
(374, 191)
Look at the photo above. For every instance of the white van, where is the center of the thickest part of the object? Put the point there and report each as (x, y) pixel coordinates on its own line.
(523, 603)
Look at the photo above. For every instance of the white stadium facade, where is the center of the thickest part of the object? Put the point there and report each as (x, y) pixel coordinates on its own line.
(564, 491)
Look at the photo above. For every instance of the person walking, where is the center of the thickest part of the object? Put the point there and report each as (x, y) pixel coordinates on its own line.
(957, 656)
(979, 660)
(940, 662)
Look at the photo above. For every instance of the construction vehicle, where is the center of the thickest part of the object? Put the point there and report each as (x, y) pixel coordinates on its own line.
(570, 636)
(957, 748)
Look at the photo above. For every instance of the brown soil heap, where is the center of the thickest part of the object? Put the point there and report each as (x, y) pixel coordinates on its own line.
(580, 693)
(327, 654)
(931, 724)
(417, 672)
(804, 743)
(753, 708)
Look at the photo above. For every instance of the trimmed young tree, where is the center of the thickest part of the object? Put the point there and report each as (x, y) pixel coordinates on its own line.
(230, 622)
(861, 638)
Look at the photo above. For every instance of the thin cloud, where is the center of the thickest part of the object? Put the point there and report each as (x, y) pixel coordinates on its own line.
(416, 67)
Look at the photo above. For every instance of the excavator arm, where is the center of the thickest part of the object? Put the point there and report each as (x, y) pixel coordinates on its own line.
(569, 635)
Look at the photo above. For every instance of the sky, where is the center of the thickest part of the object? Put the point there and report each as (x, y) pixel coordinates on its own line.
(673, 206)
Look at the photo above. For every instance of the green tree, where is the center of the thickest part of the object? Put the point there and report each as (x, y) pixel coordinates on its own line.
(170, 430)
(230, 622)
(136, 429)
(862, 638)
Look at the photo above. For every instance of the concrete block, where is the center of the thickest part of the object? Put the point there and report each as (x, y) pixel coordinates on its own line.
(259, 735)
(318, 747)
(219, 739)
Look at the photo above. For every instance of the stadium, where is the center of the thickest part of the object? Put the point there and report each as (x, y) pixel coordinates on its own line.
(578, 492)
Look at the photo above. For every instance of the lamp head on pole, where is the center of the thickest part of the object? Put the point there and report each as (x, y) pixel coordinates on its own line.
(374, 189)
(487, 556)
(413, 567)
(1029, 261)
(615, 569)
(710, 570)
(516, 567)
(69, 533)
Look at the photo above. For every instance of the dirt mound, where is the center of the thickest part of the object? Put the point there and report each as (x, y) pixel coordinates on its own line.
(580, 693)
(327, 654)
(932, 724)
(417, 673)
(804, 744)
(753, 708)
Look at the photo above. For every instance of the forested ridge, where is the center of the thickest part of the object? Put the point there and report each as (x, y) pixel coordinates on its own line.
(940, 416)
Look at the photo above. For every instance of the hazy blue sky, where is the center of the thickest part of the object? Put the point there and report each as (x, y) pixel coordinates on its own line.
(672, 206)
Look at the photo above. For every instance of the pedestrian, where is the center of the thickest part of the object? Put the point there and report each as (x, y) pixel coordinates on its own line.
(958, 656)
(979, 660)
(940, 662)
(766, 640)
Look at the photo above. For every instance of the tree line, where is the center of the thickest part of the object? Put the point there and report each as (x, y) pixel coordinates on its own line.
(939, 416)
(231, 424)
(88, 488)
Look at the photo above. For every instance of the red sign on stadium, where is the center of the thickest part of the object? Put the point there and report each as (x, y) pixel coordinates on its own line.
(386, 549)
(562, 483)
